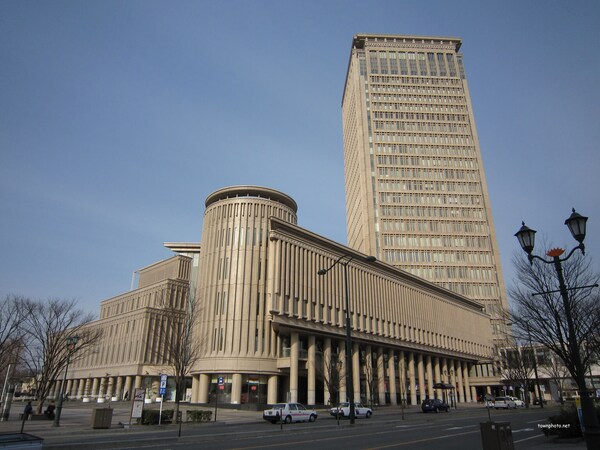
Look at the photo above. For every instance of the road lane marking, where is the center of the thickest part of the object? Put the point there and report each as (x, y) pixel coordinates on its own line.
(418, 441)
(526, 439)
(522, 429)
(537, 421)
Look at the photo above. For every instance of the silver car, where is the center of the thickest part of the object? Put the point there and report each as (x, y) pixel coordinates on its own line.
(504, 402)
(343, 410)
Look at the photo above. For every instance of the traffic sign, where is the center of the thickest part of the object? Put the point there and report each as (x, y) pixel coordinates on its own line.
(221, 381)
(162, 390)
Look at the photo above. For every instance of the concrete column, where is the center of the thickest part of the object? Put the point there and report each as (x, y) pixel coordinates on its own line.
(392, 377)
(411, 378)
(236, 389)
(87, 388)
(465, 371)
(294, 352)
(328, 370)
(119, 390)
(272, 389)
(452, 371)
(195, 385)
(356, 371)
(68, 392)
(94, 392)
(155, 386)
(127, 389)
(369, 377)
(429, 370)
(110, 387)
(137, 383)
(311, 369)
(421, 372)
(445, 370)
(203, 388)
(438, 378)
(402, 377)
(343, 379)
(460, 389)
(381, 375)
(80, 388)
(473, 394)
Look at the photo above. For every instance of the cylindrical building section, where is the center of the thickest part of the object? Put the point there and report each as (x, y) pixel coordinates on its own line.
(233, 328)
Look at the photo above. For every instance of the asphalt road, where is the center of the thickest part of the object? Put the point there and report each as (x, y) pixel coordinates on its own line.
(459, 430)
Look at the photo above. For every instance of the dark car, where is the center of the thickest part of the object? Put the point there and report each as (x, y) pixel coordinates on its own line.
(435, 405)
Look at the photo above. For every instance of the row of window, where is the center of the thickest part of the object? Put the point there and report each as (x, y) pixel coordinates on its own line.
(431, 127)
(424, 199)
(425, 81)
(395, 255)
(424, 150)
(423, 107)
(421, 116)
(240, 236)
(432, 99)
(459, 163)
(416, 90)
(476, 242)
(426, 174)
(435, 226)
(432, 212)
(423, 138)
(435, 186)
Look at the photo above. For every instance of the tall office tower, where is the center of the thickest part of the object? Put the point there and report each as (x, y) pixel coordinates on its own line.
(416, 195)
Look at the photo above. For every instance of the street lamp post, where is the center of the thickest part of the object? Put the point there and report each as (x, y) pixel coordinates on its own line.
(71, 343)
(344, 260)
(577, 226)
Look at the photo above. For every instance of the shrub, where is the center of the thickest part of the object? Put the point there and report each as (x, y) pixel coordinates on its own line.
(198, 415)
(150, 416)
(566, 423)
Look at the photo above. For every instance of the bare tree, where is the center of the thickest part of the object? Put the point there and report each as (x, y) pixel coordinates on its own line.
(49, 326)
(517, 367)
(11, 332)
(558, 373)
(539, 310)
(181, 345)
(330, 369)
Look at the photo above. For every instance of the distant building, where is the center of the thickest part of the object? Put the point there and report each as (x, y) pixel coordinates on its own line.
(416, 194)
(272, 329)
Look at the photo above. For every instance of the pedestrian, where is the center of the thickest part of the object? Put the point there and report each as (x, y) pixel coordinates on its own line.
(27, 411)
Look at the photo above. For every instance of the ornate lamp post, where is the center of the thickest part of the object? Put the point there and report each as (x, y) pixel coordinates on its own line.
(344, 260)
(577, 226)
(71, 343)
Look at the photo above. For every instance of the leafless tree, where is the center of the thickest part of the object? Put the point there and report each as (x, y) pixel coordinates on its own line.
(558, 373)
(181, 345)
(517, 367)
(331, 370)
(538, 309)
(11, 332)
(49, 325)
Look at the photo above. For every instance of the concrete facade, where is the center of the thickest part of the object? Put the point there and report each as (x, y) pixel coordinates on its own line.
(273, 330)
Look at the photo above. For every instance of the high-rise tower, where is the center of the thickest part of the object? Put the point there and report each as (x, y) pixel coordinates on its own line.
(416, 195)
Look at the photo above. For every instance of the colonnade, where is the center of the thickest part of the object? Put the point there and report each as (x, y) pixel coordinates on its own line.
(394, 375)
(102, 388)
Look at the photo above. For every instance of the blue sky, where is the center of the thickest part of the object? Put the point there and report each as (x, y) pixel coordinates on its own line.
(119, 118)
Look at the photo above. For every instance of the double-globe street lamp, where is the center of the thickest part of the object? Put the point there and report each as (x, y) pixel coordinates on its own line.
(344, 260)
(577, 226)
(71, 343)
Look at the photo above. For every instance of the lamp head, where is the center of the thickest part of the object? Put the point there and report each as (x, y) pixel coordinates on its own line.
(577, 224)
(322, 272)
(526, 237)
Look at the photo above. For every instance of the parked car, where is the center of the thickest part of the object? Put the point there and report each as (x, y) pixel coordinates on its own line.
(434, 404)
(504, 402)
(289, 412)
(538, 400)
(343, 410)
(520, 403)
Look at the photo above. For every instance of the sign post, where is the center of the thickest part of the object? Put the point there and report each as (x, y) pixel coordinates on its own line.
(220, 387)
(137, 405)
(162, 390)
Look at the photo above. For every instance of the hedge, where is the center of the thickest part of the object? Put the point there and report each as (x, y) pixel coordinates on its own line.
(198, 415)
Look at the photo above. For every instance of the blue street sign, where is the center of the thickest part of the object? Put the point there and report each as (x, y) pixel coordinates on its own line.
(162, 390)
(221, 381)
